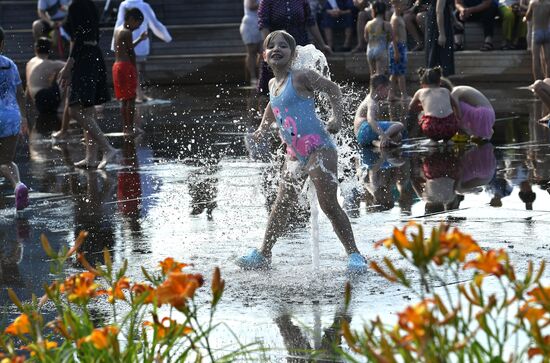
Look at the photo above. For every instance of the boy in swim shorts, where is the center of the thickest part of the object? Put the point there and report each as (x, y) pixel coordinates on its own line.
(368, 130)
(124, 69)
(11, 124)
(538, 13)
(398, 52)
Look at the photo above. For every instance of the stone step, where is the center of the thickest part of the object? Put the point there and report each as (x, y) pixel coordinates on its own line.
(195, 39)
(229, 68)
(20, 14)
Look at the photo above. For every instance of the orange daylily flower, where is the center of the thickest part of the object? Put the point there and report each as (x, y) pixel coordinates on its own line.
(540, 295)
(164, 327)
(416, 320)
(530, 313)
(101, 338)
(21, 325)
(140, 288)
(178, 287)
(116, 292)
(398, 238)
(489, 262)
(455, 245)
(170, 265)
(79, 287)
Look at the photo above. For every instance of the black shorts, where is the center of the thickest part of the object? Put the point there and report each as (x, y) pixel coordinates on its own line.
(89, 78)
(47, 100)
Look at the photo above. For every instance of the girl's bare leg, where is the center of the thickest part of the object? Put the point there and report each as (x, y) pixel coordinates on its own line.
(536, 59)
(280, 212)
(546, 59)
(11, 172)
(323, 171)
(382, 65)
(252, 51)
(542, 90)
(85, 118)
(372, 66)
(140, 95)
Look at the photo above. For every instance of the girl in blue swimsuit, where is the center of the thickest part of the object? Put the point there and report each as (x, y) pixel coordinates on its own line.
(310, 150)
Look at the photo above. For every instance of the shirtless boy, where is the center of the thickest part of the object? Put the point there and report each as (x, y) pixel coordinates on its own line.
(398, 51)
(538, 13)
(441, 111)
(369, 131)
(124, 69)
(42, 87)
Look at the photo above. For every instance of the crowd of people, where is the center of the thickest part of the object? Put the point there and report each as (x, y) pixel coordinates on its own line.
(75, 83)
(388, 29)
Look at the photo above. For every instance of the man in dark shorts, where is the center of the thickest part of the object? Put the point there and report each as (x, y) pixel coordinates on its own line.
(51, 14)
(86, 73)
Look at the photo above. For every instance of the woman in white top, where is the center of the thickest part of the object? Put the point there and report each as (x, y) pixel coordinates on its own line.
(252, 38)
(143, 48)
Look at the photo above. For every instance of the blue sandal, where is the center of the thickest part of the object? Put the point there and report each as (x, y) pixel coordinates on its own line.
(253, 261)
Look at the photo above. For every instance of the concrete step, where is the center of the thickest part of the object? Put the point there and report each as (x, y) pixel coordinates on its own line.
(345, 68)
(21, 14)
(190, 39)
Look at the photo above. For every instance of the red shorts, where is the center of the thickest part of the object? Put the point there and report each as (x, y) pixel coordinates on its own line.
(437, 128)
(125, 80)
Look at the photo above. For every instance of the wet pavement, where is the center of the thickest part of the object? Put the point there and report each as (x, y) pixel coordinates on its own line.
(188, 189)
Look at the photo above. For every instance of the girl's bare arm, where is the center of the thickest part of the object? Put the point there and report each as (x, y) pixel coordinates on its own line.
(529, 13)
(267, 119)
(456, 107)
(415, 104)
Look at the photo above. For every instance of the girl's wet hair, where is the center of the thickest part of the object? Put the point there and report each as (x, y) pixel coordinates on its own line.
(287, 37)
(379, 8)
(1, 34)
(430, 76)
(446, 83)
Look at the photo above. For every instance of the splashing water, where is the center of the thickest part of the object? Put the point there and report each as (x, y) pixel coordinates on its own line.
(309, 57)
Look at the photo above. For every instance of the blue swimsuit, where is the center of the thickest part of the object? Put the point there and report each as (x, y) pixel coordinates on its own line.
(299, 127)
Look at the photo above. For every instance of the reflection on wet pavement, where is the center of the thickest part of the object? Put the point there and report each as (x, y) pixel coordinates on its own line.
(187, 189)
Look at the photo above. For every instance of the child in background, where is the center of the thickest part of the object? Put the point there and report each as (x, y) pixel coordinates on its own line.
(252, 39)
(538, 13)
(377, 34)
(142, 51)
(368, 130)
(440, 120)
(478, 115)
(310, 150)
(514, 30)
(398, 52)
(12, 122)
(542, 89)
(125, 76)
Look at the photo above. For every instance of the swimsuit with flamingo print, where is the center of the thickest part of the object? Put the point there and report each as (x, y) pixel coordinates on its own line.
(299, 127)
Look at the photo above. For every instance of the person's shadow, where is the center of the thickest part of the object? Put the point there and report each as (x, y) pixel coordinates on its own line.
(203, 189)
(93, 214)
